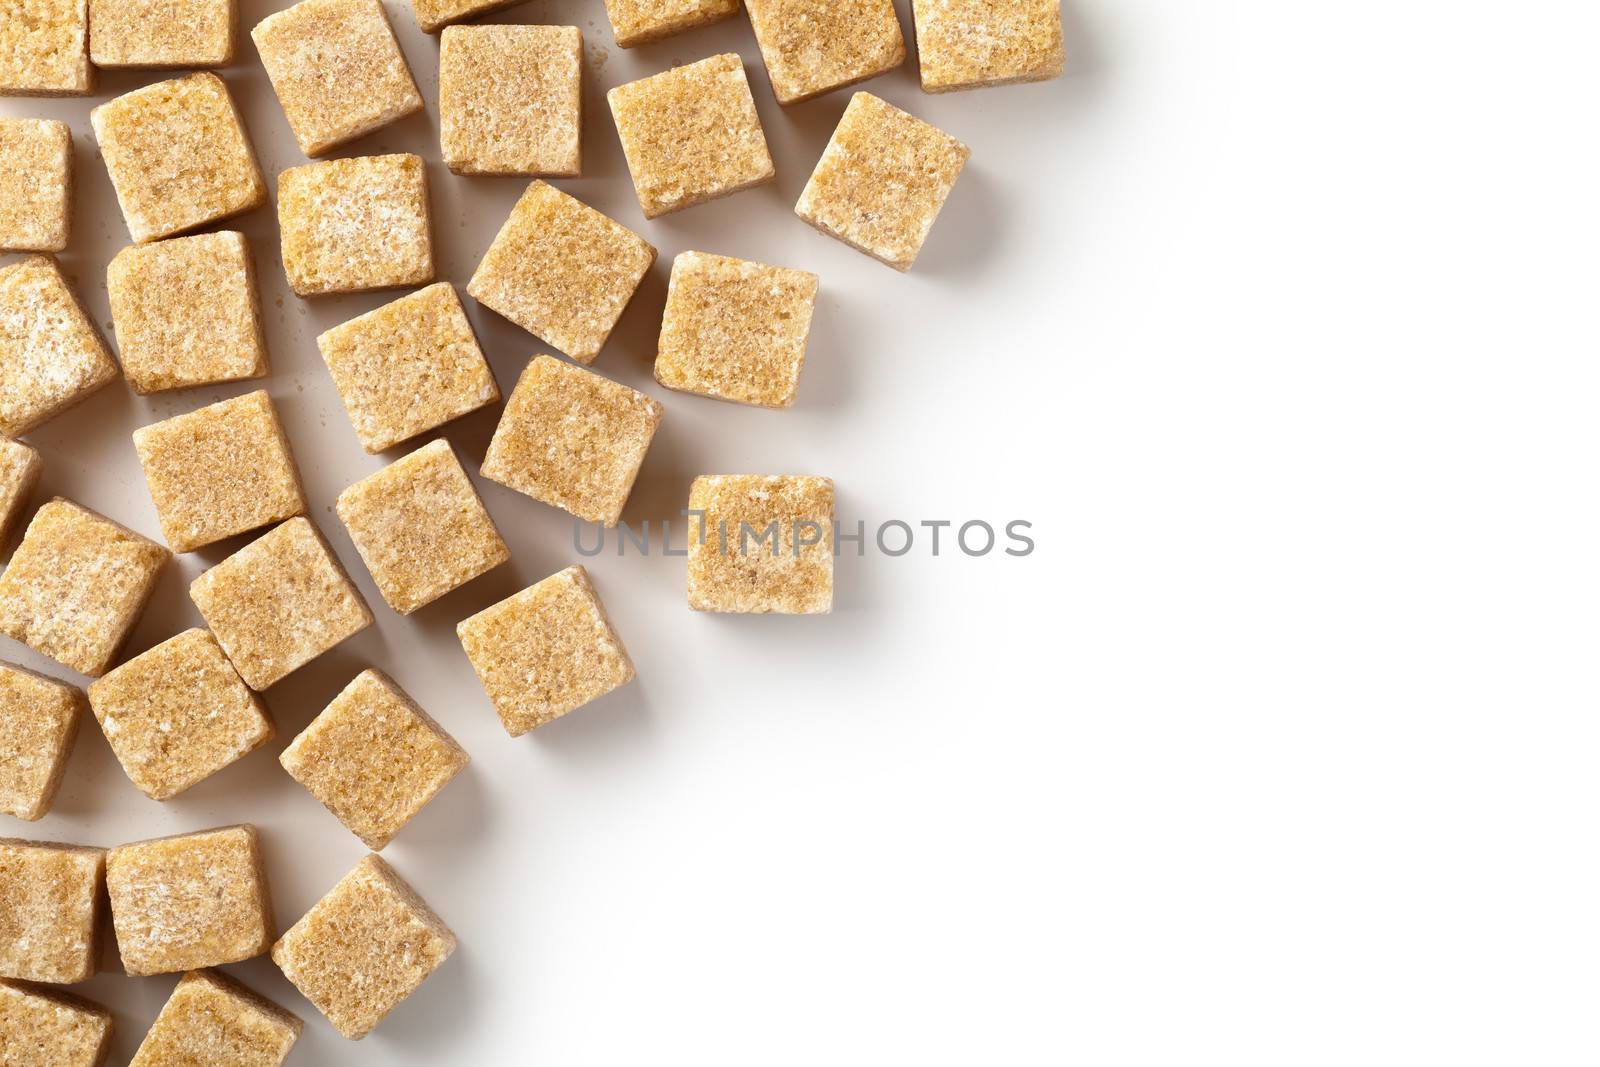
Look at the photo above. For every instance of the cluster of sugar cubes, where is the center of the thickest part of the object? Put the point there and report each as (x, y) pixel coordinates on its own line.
(186, 313)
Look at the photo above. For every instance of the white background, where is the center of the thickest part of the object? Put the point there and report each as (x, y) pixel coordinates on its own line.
(1276, 320)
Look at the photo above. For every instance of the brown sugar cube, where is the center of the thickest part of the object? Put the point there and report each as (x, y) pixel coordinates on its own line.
(636, 22)
(336, 69)
(545, 651)
(20, 466)
(279, 602)
(51, 356)
(161, 33)
(881, 181)
(49, 910)
(35, 185)
(435, 15)
(178, 714)
(407, 367)
(421, 528)
(762, 544)
(572, 439)
(815, 46)
(373, 758)
(969, 44)
(735, 330)
(510, 99)
(44, 48)
(562, 271)
(219, 471)
(76, 586)
(186, 312)
(212, 1020)
(363, 948)
(178, 156)
(43, 1028)
(38, 723)
(193, 900)
(351, 225)
(691, 134)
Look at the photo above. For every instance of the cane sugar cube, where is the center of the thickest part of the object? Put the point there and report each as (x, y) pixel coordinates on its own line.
(337, 70)
(51, 356)
(968, 44)
(363, 948)
(186, 312)
(20, 466)
(691, 135)
(352, 225)
(189, 901)
(761, 544)
(43, 1028)
(881, 181)
(219, 471)
(35, 185)
(210, 1019)
(812, 47)
(572, 439)
(421, 528)
(44, 48)
(510, 99)
(161, 33)
(373, 758)
(636, 22)
(279, 602)
(38, 722)
(49, 910)
(548, 650)
(178, 156)
(562, 271)
(735, 330)
(178, 714)
(435, 15)
(408, 367)
(76, 585)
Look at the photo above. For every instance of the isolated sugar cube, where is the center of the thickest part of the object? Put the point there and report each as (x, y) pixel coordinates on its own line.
(636, 22)
(161, 33)
(812, 47)
(40, 1027)
(761, 544)
(35, 185)
(39, 719)
(51, 356)
(511, 99)
(968, 44)
(213, 1020)
(351, 225)
(50, 921)
(20, 467)
(44, 49)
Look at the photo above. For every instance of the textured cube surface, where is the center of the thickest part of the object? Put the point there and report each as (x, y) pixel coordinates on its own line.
(35, 185)
(178, 156)
(279, 602)
(636, 22)
(435, 15)
(38, 722)
(813, 46)
(20, 466)
(691, 134)
(222, 470)
(51, 356)
(966, 44)
(363, 948)
(735, 330)
(177, 714)
(881, 181)
(510, 99)
(44, 48)
(407, 367)
(194, 900)
(336, 69)
(421, 528)
(572, 439)
(373, 758)
(350, 225)
(548, 650)
(765, 544)
(76, 586)
(562, 271)
(49, 910)
(186, 312)
(161, 33)
(43, 1028)
(214, 1021)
